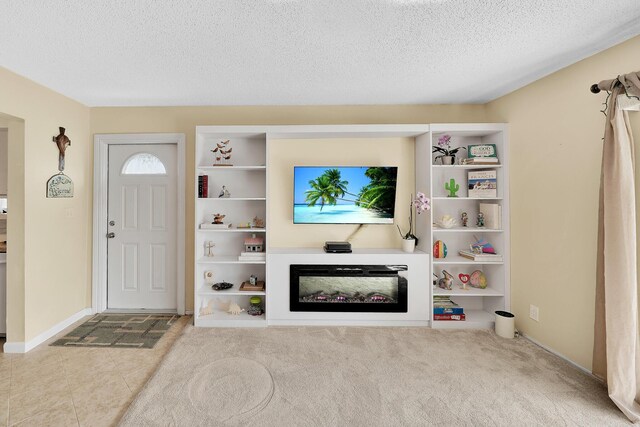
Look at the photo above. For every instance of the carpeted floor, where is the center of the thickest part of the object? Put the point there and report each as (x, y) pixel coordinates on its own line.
(119, 331)
(365, 377)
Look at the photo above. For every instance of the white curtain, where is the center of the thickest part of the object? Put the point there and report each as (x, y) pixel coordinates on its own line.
(616, 355)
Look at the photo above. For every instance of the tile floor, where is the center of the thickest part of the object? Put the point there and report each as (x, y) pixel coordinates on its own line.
(59, 386)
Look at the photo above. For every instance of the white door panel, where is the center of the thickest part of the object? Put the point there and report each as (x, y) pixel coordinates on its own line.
(142, 207)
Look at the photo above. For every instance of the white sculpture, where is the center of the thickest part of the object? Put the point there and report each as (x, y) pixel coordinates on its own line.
(208, 277)
(206, 309)
(235, 309)
(447, 221)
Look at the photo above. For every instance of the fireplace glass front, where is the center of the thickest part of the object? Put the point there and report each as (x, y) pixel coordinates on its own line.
(348, 288)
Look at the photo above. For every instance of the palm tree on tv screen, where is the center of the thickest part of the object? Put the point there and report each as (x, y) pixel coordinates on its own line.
(378, 195)
(334, 177)
(323, 190)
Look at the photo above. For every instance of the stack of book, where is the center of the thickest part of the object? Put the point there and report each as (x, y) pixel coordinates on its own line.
(481, 154)
(484, 257)
(203, 186)
(480, 161)
(212, 226)
(445, 309)
(252, 256)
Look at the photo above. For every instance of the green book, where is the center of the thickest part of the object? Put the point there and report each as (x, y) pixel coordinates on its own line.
(482, 151)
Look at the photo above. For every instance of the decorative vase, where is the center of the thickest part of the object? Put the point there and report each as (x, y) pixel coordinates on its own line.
(408, 245)
(448, 160)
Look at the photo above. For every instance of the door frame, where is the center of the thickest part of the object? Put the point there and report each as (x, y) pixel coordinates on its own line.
(101, 143)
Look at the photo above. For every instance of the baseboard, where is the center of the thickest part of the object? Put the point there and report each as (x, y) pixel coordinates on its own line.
(188, 312)
(23, 347)
(561, 356)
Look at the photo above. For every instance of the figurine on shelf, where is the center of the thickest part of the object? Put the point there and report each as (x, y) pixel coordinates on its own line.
(208, 277)
(208, 248)
(478, 279)
(217, 218)
(482, 246)
(480, 221)
(465, 219)
(446, 281)
(464, 278)
(447, 221)
(452, 187)
(258, 222)
(235, 309)
(224, 193)
(222, 153)
(221, 286)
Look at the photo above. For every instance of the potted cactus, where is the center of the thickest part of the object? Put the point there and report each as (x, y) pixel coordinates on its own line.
(448, 156)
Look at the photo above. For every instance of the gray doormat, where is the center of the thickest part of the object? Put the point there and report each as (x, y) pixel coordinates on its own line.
(119, 330)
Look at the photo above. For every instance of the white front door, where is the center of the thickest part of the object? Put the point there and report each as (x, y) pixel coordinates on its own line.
(142, 215)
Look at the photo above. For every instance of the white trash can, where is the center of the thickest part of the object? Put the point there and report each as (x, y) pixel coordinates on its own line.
(505, 324)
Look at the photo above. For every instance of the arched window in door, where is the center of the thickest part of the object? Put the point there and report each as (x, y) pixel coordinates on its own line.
(143, 164)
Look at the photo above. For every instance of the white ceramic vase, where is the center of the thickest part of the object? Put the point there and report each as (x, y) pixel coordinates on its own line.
(408, 245)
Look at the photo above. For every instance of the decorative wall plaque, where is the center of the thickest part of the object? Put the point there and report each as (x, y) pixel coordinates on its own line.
(59, 186)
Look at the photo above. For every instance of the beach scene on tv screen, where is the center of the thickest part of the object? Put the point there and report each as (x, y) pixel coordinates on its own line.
(344, 195)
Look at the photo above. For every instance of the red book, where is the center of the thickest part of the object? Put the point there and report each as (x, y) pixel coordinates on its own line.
(205, 186)
(449, 317)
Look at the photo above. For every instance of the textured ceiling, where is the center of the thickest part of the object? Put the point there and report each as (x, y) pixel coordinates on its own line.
(295, 52)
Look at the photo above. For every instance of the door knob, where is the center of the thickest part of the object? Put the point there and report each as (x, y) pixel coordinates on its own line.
(111, 235)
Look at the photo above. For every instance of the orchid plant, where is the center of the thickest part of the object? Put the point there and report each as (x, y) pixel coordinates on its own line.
(444, 147)
(421, 204)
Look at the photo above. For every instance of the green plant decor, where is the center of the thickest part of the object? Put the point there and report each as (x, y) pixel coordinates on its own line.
(451, 187)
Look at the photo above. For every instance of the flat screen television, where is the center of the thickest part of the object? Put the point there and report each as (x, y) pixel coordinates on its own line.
(344, 194)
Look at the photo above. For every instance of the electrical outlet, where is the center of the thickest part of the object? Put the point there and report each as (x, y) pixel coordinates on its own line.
(534, 312)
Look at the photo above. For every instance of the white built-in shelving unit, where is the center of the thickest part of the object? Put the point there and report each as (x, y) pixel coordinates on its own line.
(246, 181)
(479, 304)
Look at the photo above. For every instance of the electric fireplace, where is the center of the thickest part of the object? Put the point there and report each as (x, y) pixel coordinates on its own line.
(348, 288)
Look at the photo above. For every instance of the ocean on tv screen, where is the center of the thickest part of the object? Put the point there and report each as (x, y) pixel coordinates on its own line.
(344, 195)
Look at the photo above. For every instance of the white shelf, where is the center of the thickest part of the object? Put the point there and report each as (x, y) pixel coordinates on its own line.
(466, 166)
(356, 251)
(470, 292)
(466, 230)
(475, 319)
(226, 259)
(232, 230)
(231, 199)
(235, 290)
(457, 259)
(232, 168)
(227, 320)
(466, 198)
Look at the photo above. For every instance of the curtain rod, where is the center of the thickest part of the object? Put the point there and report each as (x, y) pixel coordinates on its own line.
(594, 88)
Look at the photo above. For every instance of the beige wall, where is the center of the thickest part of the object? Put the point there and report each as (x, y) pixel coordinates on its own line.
(49, 251)
(556, 129)
(556, 149)
(285, 154)
(185, 119)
